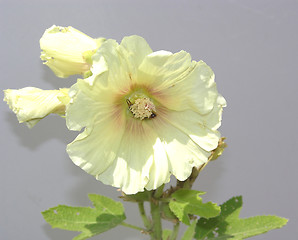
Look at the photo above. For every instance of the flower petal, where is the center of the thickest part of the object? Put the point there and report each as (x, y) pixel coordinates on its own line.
(177, 82)
(213, 119)
(135, 49)
(182, 152)
(130, 170)
(188, 122)
(121, 61)
(32, 104)
(203, 93)
(90, 100)
(162, 69)
(109, 57)
(160, 170)
(95, 107)
(95, 149)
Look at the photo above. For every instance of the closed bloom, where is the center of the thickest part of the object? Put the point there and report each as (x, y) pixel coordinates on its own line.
(32, 104)
(146, 115)
(68, 51)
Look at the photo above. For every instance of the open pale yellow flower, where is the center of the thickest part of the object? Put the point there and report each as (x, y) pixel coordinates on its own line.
(32, 104)
(146, 115)
(68, 51)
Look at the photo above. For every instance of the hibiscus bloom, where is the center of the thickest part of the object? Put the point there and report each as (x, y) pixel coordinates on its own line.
(146, 115)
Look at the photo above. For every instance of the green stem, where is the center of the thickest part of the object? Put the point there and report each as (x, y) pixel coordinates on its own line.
(175, 231)
(155, 212)
(144, 216)
(158, 192)
(132, 226)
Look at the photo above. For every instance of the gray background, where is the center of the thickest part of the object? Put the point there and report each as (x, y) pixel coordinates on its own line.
(251, 46)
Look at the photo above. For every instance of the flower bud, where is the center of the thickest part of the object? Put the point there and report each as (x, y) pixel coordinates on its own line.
(32, 104)
(68, 51)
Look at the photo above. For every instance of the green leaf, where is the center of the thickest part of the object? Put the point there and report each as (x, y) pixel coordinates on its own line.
(166, 233)
(228, 225)
(185, 202)
(107, 214)
(190, 231)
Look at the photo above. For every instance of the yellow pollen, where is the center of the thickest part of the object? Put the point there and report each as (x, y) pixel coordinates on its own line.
(143, 108)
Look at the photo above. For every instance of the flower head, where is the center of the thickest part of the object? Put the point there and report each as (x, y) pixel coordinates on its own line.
(32, 104)
(68, 51)
(146, 115)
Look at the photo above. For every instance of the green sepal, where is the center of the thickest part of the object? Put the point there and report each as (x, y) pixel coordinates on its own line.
(87, 74)
(138, 197)
(185, 202)
(219, 150)
(87, 55)
(107, 214)
(228, 225)
(166, 212)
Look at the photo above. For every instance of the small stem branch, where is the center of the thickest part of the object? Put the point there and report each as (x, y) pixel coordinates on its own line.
(144, 216)
(175, 231)
(132, 226)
